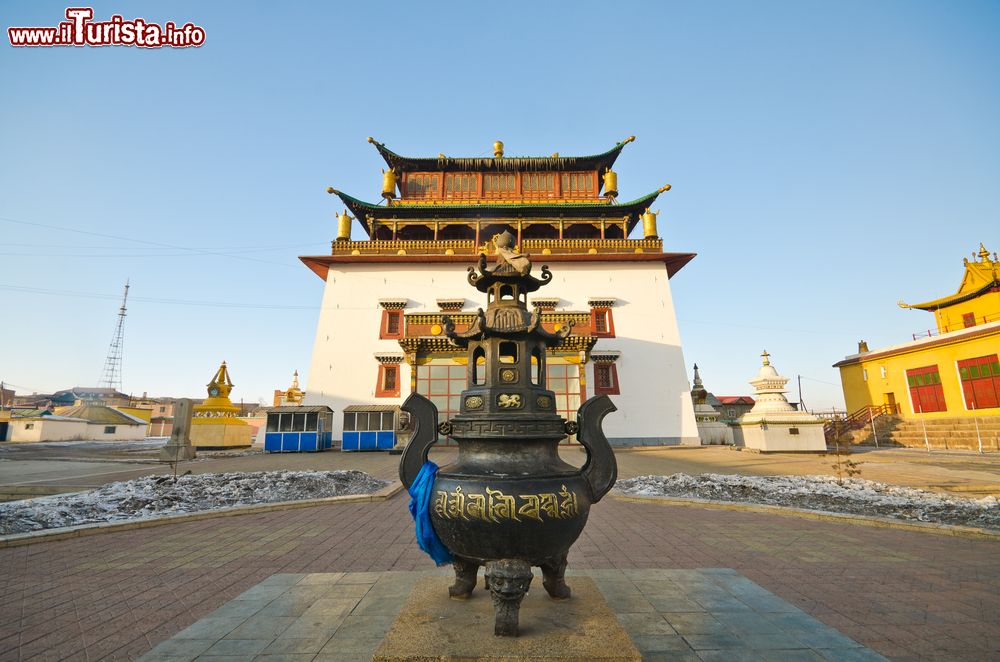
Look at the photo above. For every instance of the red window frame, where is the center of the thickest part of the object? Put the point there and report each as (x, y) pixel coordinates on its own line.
(421, 185)
(578, 185)
(462, 185)
(609, 323)
(387, 387)
(980, 377)
(500, 185)
(926, 392)
(606, 379)
(384, 329)
(969, 319)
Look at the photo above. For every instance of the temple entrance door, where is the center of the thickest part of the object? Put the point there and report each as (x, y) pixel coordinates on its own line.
(442, 382)
(564, 380)
(890, 401)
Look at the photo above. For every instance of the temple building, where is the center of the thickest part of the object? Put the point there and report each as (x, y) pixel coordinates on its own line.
(293, 396)
(215, 422)
(380, 333)
(951, 371)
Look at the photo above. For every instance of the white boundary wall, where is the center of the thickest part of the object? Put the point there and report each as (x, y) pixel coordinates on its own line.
(654, 406)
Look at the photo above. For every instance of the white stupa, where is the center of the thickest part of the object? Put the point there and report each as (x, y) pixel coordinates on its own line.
(773, 425)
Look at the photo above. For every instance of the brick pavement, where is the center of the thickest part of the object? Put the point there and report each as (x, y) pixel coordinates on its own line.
(908, 595)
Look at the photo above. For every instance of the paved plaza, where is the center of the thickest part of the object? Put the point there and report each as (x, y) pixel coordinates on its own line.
(907, 595)
(54, 468)
(678, 615)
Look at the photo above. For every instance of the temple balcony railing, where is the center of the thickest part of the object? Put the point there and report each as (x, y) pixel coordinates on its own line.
(469, 247)
(430, 324)
(591, 246)
(408, 247)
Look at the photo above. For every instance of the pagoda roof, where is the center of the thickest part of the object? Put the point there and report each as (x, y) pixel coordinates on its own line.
(981, 276)
(442, 163)
(490, 210)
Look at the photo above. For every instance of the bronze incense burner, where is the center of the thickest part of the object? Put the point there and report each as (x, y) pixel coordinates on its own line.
(509, 502)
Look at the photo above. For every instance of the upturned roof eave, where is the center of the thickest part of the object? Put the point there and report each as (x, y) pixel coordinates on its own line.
(953, 299)
(503, 163)
(632, 209)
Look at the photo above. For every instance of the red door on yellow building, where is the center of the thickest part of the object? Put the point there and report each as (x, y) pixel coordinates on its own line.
(980, 382)
(926, 393)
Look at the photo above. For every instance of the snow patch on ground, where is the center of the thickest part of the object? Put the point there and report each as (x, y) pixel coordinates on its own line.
(157, 496)
(856, 496)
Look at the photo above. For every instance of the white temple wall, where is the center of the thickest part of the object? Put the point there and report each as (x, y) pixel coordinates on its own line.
(654, 406)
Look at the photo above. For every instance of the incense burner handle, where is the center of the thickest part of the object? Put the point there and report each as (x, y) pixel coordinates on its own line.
(601, 469)
(424, 418)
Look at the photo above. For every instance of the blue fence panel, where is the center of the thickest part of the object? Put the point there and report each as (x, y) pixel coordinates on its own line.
(307, 441)
(368, 441)
(386, 440)
(351, 441)
(272, 442)
(290, 441)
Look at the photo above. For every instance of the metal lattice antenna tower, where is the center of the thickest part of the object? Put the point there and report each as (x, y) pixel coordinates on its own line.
(112, 375)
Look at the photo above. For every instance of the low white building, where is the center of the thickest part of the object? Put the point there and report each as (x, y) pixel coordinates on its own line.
(47, 428)
(774, 425)
(105, 423)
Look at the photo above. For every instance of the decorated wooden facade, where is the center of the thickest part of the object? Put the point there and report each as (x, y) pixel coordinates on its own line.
(380, 334)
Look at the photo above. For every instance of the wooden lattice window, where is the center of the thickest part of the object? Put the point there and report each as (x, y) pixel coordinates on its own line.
(606, 379)
(499, 186)
(392, 324)
(926, 393)
(536, 184)
(461, 185)
(980, 382)
(578, 184)
(388, 381)
(422, 185)
(602, 324)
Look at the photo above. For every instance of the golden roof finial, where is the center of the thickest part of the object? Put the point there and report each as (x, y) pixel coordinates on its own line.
(984, 254)
(498, 149)
(663, 189)
(628, 140)
(766, 357)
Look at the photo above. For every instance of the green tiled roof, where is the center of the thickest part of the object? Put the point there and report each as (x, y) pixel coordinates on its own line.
(502, 164)
(633, 208)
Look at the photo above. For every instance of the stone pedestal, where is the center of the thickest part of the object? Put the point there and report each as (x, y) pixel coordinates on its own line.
(222, 435)
(431, 627)
(179, 448)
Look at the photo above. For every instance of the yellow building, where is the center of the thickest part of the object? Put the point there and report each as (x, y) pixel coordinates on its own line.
(951, 373)
(214, 423)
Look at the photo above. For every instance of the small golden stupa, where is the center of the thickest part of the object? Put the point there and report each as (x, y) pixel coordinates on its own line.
(215, 423)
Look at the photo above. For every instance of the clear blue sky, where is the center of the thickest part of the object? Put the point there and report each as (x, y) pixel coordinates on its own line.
(827, 159)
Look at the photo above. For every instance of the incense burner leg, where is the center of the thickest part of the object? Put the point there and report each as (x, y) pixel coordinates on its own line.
(554, 578)
(465, 578)
(508, 581)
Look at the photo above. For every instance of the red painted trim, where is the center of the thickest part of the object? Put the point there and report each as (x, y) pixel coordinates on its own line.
(383, 332)
(973, 332)
(614, 389)
(610, 333)
(320, 264)
(380, 390)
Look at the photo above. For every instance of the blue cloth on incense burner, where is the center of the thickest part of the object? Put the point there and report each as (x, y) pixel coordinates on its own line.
(420, 509)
